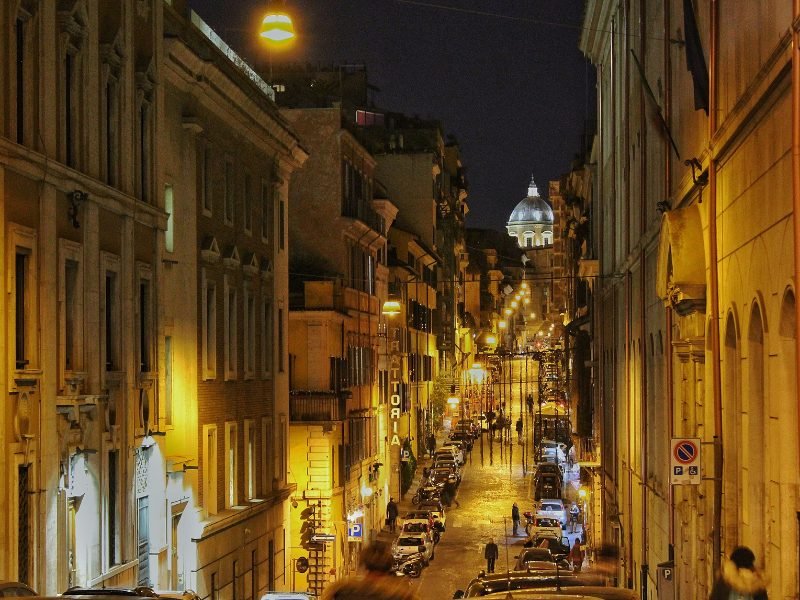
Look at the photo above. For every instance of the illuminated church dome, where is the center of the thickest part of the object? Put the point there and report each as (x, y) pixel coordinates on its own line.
(531, 221)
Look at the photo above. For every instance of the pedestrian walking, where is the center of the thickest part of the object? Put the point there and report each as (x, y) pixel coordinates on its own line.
(519, 429)
(431, 444)
(576, 555)
(377, 583)
(574, 512)
(739, 579)
(490, 553)
(391, 515)
(529, 402)
(515, 517)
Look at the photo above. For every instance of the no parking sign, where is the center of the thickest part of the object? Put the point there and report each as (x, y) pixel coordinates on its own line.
(685, 466)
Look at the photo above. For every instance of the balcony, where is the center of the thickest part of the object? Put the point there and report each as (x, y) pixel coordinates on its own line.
(316, 407)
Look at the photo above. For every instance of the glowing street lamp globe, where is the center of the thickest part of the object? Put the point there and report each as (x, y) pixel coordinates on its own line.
(277, 26)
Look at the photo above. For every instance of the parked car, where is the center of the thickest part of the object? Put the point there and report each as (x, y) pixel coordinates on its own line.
(539, 559)
(418, 516)
(553, 508)
(552, 451)
(463, 437)
(547, 486)
(542, 525)
(15, 589)
(561, 584)
(437, 512)
(457, 449)
(544, 468)
(448, 453)
(138, 592)
(443, 475)
(557, 544)
(409, 543)
(448, 463)
(414, 527)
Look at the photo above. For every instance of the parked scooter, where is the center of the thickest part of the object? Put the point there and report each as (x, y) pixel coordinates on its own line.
(528, 521)
(409, 565)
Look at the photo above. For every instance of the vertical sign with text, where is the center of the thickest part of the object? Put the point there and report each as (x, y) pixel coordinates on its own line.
(395, 384)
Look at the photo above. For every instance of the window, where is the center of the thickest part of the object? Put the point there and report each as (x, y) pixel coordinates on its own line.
(70, 306)
(205, 172)
(547, 238)
(25, 83)
(210, 469)
(282, 225)
(144, 135)
(169, 235)
(250, 489)
(22, 245)
(145, 321)
(229, 199)
(112, 59)
(249, 333)
(528, 239)
(266, 211)
(230, 305)
(266, 338)
(247, 204)
(280, 340)
(112, 510)
(110, 309)
(209, 341)
(231, 482)
(168, 379)
(266, 482)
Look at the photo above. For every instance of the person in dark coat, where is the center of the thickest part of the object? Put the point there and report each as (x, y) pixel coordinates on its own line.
(739, 578)
(515, 517)
(431, 444)
(519, 430)
(391, 514)
(490, 553)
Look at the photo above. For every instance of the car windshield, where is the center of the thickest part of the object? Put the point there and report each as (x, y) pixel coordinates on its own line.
(415, 527)
(410, 541)
(550, 506)
(433, 509)
(547, 523)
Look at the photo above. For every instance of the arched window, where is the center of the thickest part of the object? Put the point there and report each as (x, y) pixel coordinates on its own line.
(547, 238)
(528, 239)
(731, 431)
(754, 500)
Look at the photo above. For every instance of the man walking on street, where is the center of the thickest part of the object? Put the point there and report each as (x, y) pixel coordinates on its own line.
(574, 512)
(515, 517)
(431, 444)
(519, 429)
(575, 556)
(391, 514)
(490, 553)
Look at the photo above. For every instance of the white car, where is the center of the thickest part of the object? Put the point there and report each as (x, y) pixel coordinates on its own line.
(448, 453)
(552, 451)
(554, 509)
(544, 525)
(437, 512)
(456, 450)
(409, 543)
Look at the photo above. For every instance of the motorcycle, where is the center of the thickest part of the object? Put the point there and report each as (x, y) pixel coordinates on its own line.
(409, 565)
(528, 521)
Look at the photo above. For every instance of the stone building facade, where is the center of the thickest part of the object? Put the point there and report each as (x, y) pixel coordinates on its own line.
(698, 333)
(106, 111)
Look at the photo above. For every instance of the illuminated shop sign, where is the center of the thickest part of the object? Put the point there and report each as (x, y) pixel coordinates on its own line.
(395, 385)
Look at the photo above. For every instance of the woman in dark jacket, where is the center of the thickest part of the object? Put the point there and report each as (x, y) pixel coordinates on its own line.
(740, 576)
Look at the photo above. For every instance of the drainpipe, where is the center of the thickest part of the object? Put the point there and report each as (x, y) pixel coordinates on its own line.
(714, 289)
(643, 396)
(796, 185)
(668, 309)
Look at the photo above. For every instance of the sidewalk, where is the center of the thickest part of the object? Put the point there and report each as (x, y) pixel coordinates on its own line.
(404, 504)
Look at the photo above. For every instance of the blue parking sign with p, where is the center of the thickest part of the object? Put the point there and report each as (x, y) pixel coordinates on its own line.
(355, 532)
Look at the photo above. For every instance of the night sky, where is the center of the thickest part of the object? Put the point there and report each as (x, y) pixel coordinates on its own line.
(505, 77)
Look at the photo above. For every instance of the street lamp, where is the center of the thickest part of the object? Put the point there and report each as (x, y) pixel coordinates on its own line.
(277, 25)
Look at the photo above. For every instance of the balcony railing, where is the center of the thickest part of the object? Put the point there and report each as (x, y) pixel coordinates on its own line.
(316, 407)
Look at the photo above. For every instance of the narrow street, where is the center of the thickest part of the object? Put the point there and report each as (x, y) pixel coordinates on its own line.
(483, 511)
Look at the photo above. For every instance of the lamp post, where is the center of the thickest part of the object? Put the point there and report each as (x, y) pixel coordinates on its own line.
(277, 29)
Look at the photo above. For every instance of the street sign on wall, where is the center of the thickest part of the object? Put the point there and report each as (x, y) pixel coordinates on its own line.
(355, 532)
(685, 463)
